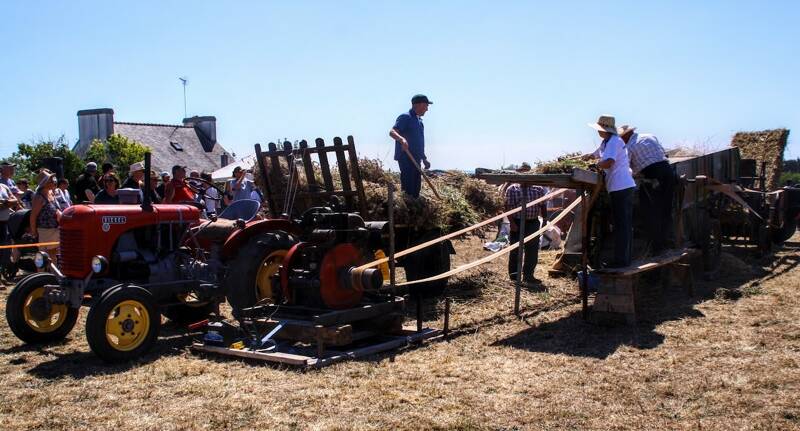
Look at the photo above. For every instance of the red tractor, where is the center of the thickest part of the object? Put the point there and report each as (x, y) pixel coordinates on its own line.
(132, 263)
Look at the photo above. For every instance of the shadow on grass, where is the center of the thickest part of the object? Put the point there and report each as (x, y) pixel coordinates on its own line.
(172, 341)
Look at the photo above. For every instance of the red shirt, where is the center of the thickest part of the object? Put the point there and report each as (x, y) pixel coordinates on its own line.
(182, 192)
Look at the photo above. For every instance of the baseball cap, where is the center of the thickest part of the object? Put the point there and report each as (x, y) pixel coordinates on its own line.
(91, 166)
(421, 98)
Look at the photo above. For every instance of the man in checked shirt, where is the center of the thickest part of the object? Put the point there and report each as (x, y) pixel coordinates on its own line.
(513, 199)
(649, 160)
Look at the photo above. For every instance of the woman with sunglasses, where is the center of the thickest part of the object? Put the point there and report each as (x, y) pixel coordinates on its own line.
(109, 193)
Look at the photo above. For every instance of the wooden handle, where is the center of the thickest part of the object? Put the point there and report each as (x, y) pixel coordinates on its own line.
(419, 168)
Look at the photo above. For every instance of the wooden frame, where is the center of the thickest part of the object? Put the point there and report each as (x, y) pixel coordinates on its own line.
(317, 194)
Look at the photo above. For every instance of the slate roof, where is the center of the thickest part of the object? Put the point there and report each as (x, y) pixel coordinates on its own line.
(158, 137)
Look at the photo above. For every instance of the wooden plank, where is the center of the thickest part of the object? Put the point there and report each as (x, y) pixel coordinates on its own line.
(344, 172)
(324, 165)
(284, 358)
(658, 262)
(264, 176)
(308, 167)
(392, 343)
(299, 330)
(614, 303)
(362, 197)
(579, 178)
(360, 313)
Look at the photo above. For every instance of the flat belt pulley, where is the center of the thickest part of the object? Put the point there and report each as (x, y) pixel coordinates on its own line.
(342, 284)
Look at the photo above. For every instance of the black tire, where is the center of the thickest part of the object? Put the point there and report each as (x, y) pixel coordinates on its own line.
(428, 262)
(16, 310)
(240, 284)
(779, 236)
(112, 304)
(187, 314)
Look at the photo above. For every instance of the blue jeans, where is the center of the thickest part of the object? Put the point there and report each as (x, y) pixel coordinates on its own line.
(622, 217)
(410, 178)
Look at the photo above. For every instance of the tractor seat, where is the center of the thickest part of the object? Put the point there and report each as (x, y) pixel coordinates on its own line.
(245, 209)
(215, 231)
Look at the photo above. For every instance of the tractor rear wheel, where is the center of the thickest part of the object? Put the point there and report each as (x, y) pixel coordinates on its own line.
(123, 324)
(34, 320)
(251, 275)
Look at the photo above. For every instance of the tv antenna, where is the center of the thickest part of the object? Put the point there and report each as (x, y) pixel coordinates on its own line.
(184, 80)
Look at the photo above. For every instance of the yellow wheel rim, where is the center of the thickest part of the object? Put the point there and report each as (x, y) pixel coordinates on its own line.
(268, 268)
(41, 316)
(127, 325)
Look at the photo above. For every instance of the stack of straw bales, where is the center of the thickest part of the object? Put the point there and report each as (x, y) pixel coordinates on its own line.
(764, 146)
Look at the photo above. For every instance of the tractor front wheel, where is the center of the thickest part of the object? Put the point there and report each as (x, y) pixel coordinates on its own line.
(32, 318)
(123, 324)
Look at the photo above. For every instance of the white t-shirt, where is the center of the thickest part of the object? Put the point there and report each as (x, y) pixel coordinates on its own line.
(212, 205)
(5, 193)
(619, 177)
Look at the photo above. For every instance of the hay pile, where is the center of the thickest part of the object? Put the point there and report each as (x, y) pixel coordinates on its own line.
(764, 146)
(465, 200)
(562, 165)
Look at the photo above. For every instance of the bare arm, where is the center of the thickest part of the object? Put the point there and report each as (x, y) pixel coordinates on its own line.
(398, 137)
(169, 193)
(36, 208)
(226, 197)
(606, 164)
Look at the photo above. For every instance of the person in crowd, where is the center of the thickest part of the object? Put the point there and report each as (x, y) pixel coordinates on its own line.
(513, 199)
(61, 193)
(239, 187)
(210, 196)
(109, 193)
(45, 215)
(8, 203)
(106, 168)
(164, 180)
(155, 196)
(613, 160)
(409, 135)
(649, 160)
(176, 191)
(86, 186)
(25, 194)
(135, 176)
(7, 170)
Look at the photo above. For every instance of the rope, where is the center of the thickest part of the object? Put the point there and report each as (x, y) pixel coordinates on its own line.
(502, 252)
(462, 231)
(37, 244)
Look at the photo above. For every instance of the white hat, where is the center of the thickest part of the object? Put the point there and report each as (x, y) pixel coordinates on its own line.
(138, 166)
(604, 124)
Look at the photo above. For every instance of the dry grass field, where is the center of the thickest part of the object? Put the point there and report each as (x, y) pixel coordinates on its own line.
(729, 358)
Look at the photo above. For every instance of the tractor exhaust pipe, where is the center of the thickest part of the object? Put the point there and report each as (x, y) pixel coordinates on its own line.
(146, 200)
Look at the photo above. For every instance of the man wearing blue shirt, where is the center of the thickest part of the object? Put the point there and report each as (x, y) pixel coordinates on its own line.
(409, 135)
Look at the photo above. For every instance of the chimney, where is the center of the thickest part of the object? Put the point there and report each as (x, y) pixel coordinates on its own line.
(206, 129)
(93, 124)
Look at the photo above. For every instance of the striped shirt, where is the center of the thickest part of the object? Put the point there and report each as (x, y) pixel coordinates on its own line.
(514, 199)
(644, 150)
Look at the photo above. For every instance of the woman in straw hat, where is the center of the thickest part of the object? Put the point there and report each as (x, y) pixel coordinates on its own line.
(620, 185)
(45, 214)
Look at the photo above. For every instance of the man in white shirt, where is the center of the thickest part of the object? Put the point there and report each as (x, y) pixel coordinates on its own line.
(613, 159)
(656, 195)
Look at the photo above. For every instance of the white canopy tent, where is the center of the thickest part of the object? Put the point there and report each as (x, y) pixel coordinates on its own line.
(226, 172)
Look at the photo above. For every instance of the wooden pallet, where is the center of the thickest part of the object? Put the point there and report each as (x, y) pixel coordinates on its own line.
(306, 358)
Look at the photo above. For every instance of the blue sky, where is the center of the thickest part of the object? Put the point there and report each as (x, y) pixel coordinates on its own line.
(510, 81)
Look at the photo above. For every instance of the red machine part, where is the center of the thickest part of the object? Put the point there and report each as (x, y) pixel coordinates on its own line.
(334, 293)
(287, 263)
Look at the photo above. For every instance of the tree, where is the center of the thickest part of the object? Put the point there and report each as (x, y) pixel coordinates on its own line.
(117, 150)
(29, 158)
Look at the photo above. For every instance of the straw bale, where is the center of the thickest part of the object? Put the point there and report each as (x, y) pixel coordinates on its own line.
(764, 146)
(562, 165)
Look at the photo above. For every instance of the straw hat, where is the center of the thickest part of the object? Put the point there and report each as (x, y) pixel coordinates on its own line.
(625, 129)
(44, 176)
(138, 166)
(605, 123)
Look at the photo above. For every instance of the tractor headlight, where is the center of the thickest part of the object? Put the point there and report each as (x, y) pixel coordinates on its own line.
(99, 264)
(41, 260)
